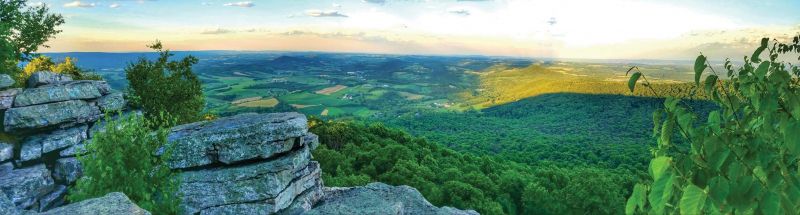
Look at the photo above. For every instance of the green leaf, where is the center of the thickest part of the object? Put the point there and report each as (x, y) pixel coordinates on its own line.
(660, 193)
(711, 83)
(659, 166)
(634, 78)
(757, 53)
(762, 69)
(719, 188)
(771, 204)
(657, 115)
(693, 200)
(791, 136)
(699, 66)
(637, 199)
(667, 131)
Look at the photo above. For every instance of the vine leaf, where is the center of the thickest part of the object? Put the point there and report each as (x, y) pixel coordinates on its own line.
(711, 82)
(699, 66)
(637, 199)
(634, 78)
(764, 43)
(693, 200)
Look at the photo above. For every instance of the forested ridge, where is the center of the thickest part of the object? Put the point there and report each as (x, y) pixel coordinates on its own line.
(355, 153)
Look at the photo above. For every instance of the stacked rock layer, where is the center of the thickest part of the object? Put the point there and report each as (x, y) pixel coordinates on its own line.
(50, 119)
(246, 164)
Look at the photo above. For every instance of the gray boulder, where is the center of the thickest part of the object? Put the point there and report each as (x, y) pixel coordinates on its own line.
(62, 114)
(305, 201)
(25, 186)
(6, 151)
(259, 188)
(379, 198)
(6, 168)
(7, 97)
(113, 203)
(72, 151)
(67, 170)
(6, 206)
(53, 199)
(237, 138)
(111, 102)
(30, 151)
(34, 146)
(73, 90)
(47, 77)
(6, 81)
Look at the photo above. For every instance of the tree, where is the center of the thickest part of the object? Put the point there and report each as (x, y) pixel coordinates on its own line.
(744, 158)
(23, 30)
(164, 86)
(121, 158)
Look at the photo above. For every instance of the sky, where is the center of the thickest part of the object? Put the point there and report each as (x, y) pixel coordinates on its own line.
(588, 29)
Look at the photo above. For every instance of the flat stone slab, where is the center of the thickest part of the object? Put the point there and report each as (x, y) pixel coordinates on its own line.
(34, 146)
(74, 90)
(237, 138)
(7, 97)
(111, 102)
(46, 77)
(6, 206)
(379, 198)
(113, 203)
(67, 170)
(6, 151)
(25, 186)
(6, 81)
(269, 186)
(59, 114)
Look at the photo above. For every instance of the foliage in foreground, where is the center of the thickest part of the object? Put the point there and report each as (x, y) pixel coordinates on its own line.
(121, 158)
(164, 86)
(744, 158)
(23, 30)
(355, 154)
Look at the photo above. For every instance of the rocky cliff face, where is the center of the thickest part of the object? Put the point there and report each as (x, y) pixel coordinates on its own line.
(51, 120)
(244, 164)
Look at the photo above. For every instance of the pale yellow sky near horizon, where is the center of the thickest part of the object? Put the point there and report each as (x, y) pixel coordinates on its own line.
(615, 29)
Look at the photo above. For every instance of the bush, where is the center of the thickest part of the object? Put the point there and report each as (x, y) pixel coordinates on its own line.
(744, 158)
(44, 63)
(164, 86)
(121, 158)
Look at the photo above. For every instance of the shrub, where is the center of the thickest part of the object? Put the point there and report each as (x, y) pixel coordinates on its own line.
(121, 158)
(164, 86)
(744, 158)
(44, 63)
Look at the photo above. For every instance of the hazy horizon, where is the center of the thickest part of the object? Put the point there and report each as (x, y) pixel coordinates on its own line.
(573, 29)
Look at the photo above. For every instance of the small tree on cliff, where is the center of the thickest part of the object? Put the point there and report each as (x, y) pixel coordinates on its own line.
(166, 87)
(23, 30)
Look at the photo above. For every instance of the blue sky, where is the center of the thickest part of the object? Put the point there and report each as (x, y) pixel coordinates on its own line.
(657, 29)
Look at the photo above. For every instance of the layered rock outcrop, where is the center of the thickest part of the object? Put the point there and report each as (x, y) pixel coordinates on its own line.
(246, 164)
(51, 120)
(379, 198)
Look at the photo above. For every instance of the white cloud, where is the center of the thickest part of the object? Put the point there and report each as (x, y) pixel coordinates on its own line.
(240, 4)
(319, 13)
(460, 12)
(217, 31)
(79, 4)
(114, 5)
(375, 1)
